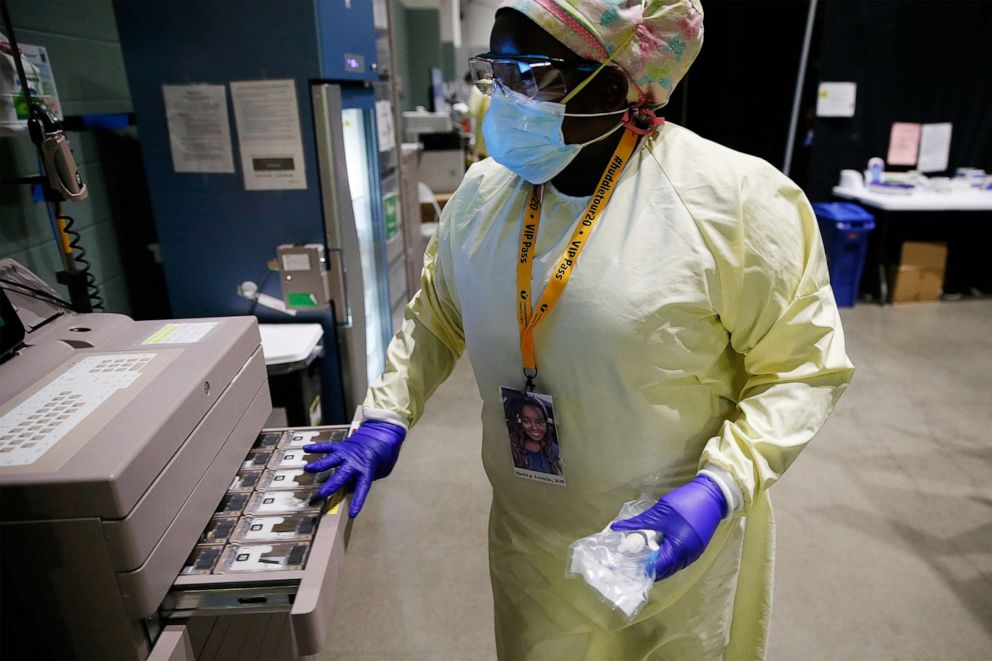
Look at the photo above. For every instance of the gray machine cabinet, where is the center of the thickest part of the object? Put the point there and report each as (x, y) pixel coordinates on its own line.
(306, 596)
(174, 644)
(118, 440)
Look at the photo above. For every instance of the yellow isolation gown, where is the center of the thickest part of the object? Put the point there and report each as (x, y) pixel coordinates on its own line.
(698, 328)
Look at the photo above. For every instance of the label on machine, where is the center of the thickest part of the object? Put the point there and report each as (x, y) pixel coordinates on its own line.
(180, 333)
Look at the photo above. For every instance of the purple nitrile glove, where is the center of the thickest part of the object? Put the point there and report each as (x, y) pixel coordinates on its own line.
(686, 518)
(368, 454)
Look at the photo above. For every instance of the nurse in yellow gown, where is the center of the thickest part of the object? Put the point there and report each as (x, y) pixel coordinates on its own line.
(698, 331)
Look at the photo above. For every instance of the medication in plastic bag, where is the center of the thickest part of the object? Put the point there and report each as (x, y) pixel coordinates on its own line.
(295, 440)
(277, 502)
(294, 458)
(618, 565)
(201, 560)
(291, 478)
(277, 556)
(232, 504)
(268, 440)
(218, 530)
(245, 480)
(256, 459)
(277, 527)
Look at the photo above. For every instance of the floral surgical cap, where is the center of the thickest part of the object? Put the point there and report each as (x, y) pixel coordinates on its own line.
(654, 41)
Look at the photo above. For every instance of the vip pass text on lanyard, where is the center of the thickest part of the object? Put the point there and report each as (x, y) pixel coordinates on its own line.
(529, 319)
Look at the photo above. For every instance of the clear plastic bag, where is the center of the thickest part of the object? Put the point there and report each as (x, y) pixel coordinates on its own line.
(618, 565)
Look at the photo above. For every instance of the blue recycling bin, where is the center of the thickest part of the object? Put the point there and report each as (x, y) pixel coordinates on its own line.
(844, 227)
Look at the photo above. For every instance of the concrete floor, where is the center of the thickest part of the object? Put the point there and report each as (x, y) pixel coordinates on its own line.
(884, 523)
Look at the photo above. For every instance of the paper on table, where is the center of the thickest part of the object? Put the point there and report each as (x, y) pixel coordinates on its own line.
(935, 145)
(199, 131)
(836, 99)
(268, 120)
(904, 141)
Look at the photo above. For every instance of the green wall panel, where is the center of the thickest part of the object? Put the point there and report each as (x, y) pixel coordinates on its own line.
(423, 28)
(448, 61)
(82, 43)
(401, 43)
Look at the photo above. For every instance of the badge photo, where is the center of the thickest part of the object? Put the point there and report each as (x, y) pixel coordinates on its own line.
(533, 435)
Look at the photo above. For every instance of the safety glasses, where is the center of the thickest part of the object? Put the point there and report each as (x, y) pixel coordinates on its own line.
(534, 76)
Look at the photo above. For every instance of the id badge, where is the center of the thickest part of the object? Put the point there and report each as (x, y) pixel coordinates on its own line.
(532, 434)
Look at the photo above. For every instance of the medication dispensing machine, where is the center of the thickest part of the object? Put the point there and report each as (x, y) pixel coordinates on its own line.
(144, 511)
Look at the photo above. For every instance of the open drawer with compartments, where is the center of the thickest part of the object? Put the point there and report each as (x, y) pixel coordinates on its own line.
(263, 574)
(142, 510)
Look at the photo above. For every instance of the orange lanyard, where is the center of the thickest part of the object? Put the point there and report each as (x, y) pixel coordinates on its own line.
(527, 319)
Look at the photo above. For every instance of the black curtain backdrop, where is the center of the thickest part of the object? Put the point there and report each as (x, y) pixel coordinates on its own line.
(913, 61)
(924, 61)
(739, 90)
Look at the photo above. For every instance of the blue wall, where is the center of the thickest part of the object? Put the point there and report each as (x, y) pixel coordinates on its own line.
(206, 250)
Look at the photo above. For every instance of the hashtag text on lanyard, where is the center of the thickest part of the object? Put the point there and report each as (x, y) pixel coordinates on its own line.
(529, 319)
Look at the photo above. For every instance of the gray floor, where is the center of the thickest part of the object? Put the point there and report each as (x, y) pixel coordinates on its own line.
(884, 523)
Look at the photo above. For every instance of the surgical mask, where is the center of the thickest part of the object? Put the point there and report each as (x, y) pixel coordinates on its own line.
(525, 136)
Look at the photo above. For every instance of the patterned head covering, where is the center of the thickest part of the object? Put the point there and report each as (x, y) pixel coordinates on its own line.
(654, 41)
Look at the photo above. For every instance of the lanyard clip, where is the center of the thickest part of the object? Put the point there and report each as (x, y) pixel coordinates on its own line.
(531, 374)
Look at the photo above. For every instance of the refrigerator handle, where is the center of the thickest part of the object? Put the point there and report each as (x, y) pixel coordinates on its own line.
(337, 287)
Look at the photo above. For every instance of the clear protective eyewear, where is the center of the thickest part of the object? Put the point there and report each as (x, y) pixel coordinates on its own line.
(534, 76)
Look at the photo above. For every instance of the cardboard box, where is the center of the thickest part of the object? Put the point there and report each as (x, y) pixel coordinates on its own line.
(428, 213)
(920, 274)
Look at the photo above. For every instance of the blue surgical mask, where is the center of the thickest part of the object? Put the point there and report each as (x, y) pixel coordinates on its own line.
(525, 136)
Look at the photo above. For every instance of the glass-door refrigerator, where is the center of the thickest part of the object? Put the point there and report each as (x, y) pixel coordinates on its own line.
(352, 193)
